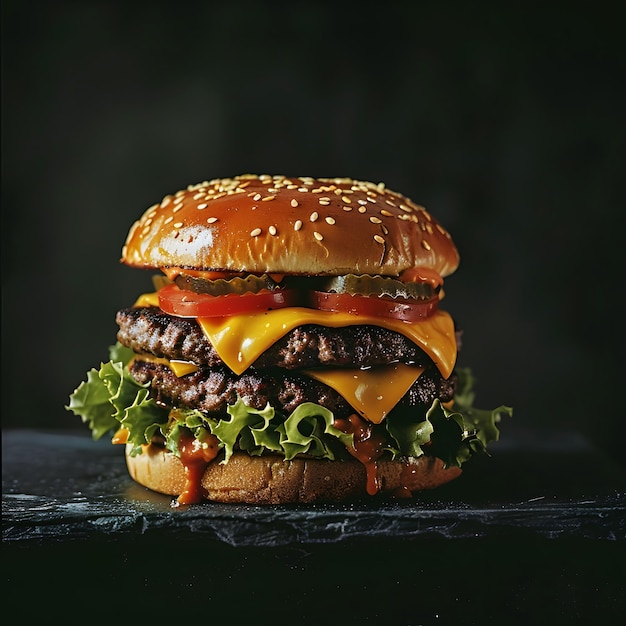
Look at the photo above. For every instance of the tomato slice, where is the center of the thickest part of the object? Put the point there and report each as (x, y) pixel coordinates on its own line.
(380, 306)
(182, 303)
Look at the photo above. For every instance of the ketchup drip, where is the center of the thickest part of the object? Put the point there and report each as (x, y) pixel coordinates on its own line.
(367, 447)
(195, 456)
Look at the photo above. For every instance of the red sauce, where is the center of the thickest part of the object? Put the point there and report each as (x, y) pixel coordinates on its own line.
(367, 446)
(195, 456)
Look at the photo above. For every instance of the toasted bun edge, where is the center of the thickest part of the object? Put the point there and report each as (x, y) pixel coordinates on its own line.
(270, 479)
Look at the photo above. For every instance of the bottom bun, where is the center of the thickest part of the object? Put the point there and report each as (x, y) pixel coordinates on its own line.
(272, 480)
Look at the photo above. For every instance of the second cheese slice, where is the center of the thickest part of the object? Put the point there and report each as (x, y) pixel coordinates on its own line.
(372, 393)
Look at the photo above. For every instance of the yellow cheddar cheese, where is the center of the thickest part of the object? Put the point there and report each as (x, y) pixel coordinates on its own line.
(239, 340)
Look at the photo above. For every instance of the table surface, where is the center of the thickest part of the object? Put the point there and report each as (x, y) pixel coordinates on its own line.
(535, 531)
(63, 485)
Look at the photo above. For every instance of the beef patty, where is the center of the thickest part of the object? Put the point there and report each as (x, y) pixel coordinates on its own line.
(211, 390)
(149, 330)
(273, 378)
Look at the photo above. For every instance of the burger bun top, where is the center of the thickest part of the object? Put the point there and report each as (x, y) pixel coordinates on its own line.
(297, 226)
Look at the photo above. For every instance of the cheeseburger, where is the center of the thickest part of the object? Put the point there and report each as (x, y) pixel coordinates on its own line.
(293, 348)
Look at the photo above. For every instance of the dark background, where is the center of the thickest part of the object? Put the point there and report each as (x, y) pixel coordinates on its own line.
(506, 122)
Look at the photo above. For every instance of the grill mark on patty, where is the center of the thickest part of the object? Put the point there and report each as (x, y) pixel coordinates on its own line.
(149, 330)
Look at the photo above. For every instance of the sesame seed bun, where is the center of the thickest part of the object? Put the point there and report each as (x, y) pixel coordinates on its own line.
(272, 480)
(285, 225)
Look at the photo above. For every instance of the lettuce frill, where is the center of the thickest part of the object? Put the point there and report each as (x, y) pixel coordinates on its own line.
(111, 399)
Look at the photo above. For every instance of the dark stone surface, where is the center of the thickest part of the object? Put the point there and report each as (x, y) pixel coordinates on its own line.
(535, 531)
(63, 486)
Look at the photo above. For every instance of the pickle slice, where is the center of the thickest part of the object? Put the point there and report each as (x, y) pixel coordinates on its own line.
(223, 286)
(376, 285)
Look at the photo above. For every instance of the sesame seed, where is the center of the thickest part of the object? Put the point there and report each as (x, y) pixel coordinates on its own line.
(425, 245)
(324, 201)
(362, 201)
(272, 230)
(379, 239)
(257, 197)
(375, 220)
(386, 213)
(346, 199)
(318, 236)
(405, 208)
(302, 189)
(294, 203)
(268, 198)
(255, 233)
(211, 220)
(362, 209)
(178, 224)
(314, 216)
(168, 220)
(204, 205)
(347, 208)
(297, 225)
(385, 229)
(166, 201)
(330, 220)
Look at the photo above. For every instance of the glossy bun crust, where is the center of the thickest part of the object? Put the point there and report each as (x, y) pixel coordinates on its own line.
(272, 480)
(285, 225)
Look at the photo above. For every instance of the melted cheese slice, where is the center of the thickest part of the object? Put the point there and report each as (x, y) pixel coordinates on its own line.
(241, 339)
(180, 368)
(372, 393)
(148, 299)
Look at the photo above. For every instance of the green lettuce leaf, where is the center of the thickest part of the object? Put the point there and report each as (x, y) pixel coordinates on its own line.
(91, 402)
(453, 435)
(111, 398)
(181, 420)
(303, 432)
(307, 430)
(252, 427)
